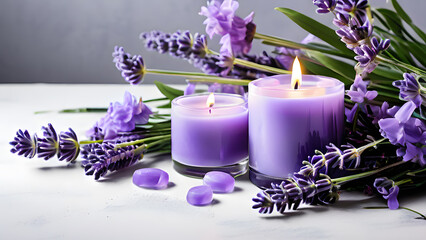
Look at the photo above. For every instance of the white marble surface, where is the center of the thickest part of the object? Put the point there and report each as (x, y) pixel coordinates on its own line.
(49, 200)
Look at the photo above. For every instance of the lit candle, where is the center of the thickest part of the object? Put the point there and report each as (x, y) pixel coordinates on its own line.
(290, 117)
(210, 132)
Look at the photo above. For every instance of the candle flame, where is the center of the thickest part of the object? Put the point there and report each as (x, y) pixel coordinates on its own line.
(210, 100)
(296, 74)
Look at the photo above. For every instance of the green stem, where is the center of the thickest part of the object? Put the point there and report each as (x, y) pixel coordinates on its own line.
(415, 172)
(141, 141)
(89, 141)
(402, 65)
(186, 74)
(271, 40)
(403, 181)
(231, 81)
(365, 174)
(157, 142)
(260, 67)
(411, 210)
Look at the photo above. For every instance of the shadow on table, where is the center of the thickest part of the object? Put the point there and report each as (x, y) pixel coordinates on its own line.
(60, 167)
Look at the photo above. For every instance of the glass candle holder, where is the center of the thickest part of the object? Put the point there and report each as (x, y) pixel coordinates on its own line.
(209, 137)
(287, 125)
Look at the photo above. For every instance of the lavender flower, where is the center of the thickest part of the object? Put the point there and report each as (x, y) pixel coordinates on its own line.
(357, 33)
(409, 89)
(226, 88)
(69, 148)
(66, 146)
(325, 6)
(48, 146)
(178, 44)
(24, 144)
(190, 89)
(121, 118)
(366, 55)
(226, 55)
(294, 191)
(353, 7)
(388, 190)
(286, 55)
(385, 112)
(406, 132)
(358, 91)
(221, 20)
(101, 158)
(132, 67)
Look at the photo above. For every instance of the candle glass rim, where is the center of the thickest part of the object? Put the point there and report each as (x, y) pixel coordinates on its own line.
(336, 87)
(242, 104)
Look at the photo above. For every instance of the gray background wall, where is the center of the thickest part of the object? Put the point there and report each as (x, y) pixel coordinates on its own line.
(70, 41)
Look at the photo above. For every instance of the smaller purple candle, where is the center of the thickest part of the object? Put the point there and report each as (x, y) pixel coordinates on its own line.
(208, 135)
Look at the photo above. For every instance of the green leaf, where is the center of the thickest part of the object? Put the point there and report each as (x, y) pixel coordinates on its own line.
(318, 29)
(167, 91)
(344, 69)
(401, 11)
(167, 105)
(418, 50)
(408, 20)
(383, 72)
(324, 71)
(393, 21)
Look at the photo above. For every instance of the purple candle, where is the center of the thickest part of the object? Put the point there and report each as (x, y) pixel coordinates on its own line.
(209, 136)
(289, 121)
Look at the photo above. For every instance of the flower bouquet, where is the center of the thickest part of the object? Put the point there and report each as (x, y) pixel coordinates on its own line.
(377, 53)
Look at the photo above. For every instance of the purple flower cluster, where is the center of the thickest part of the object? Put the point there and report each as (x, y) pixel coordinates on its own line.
(366, 54)
(355, 30)
(307, 186)
(222, 20)
(65, 146)
(410, 89)
(131, 67)
(388, 190)
(102, 158)
(181, 44)
(358, 91)
(406, 132)
(121, 117)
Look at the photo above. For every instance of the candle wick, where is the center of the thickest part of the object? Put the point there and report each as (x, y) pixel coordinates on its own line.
(210, 110)
(296, 85)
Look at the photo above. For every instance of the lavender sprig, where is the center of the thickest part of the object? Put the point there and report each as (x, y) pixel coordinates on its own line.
(101, 158)
(65, 146)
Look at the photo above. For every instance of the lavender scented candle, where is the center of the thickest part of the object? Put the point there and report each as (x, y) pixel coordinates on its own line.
(209, 134)
(289, 121)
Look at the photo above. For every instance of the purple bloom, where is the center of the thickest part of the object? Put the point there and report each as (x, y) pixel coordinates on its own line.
(48, 146)
(406, 132)
(69, 148)
(132, 68)
(122, 117)
(388, 190)
(221, 20)
(226, 88)
(358, 91)
(366, 55)
(66, 146)
(357, 32)
(325, 6)
(409, 89)
(190, 89)
(101, 158)
(394, 128)
(226, 55)
(24, 144)
(355, 7)
(350, 113)
(385, 112)
(286, 55)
